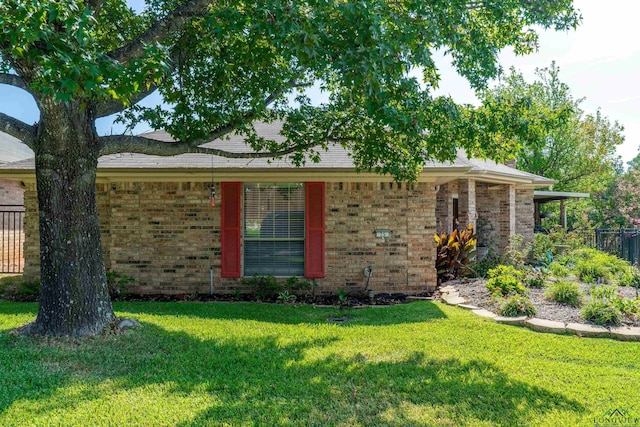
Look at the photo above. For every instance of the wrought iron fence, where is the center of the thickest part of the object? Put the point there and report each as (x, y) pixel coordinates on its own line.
(622, 242)
(11, 238)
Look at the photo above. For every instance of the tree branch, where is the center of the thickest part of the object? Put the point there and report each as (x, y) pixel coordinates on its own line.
(142, 145)
(174, 21)
(104, 109)
(15, 81)
(18, 129)
(95, 6)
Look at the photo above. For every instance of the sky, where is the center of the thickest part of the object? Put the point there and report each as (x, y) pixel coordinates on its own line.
(600, 61)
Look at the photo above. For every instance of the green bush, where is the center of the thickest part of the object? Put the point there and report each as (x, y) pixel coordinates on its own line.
(603, 292)
(535, 279)
(504, 285)
(565, 292)
(118, 284)
(518, 251)
(602, 312)
(592, 265)
(590, 271)
(627, 306)
(629, 277)
(517, 305)
(541, 245)
(481, 268)
(263, 287)
(559, 270)
(15, 288)
(505, 270)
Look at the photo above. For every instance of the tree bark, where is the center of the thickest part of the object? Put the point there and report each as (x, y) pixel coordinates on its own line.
(74, 299)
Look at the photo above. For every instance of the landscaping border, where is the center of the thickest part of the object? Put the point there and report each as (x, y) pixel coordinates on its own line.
(450, 296)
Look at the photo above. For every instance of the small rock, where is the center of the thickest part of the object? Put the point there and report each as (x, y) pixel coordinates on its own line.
(128, 323)
(453, 300)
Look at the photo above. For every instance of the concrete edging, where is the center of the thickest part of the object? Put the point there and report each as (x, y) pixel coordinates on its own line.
(620, 333)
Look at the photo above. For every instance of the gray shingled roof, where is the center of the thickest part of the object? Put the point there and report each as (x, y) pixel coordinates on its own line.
(336, 158)
(12, 150)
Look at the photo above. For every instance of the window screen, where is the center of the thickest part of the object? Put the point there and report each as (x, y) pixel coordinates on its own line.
(273, 229)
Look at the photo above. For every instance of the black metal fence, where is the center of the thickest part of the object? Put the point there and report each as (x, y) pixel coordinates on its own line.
(11, 238)
(622, 242)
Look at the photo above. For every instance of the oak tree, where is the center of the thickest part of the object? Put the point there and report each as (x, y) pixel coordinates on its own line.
(220, 65)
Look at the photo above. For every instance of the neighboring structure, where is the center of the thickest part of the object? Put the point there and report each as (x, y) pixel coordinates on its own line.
(324, 221)
(11, 150)
(542, 197)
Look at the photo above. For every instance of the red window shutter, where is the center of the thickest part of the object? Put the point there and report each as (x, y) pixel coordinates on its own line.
(230, 238)
(314, 255)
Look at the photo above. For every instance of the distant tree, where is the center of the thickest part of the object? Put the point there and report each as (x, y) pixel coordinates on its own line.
(219, 66)
(561, 142)
(635, 162)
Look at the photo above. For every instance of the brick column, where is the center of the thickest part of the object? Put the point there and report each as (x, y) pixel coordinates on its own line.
(525, 215)
(507, 215)
(421, 248)
(467, 202)
(444, 209)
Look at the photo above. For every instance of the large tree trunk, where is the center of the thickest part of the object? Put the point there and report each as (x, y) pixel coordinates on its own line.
(74, 299)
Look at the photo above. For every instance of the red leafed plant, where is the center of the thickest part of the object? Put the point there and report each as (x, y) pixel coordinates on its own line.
(455, 253)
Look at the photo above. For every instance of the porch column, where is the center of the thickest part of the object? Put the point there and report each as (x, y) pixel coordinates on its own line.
(467, 203)
(444, 210)
(563, 215)
(507, 215)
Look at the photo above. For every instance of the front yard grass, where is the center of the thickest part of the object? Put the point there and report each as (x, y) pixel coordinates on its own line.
(254, 364)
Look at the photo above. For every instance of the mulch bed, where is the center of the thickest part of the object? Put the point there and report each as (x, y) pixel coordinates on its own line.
(475, 291)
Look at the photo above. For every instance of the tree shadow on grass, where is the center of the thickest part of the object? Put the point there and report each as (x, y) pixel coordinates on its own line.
(290, 314)
(275, 379)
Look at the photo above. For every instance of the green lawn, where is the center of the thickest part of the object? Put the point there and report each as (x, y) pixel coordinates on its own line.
(250, 364)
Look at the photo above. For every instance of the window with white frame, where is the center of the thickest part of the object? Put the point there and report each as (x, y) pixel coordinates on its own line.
(273, 229)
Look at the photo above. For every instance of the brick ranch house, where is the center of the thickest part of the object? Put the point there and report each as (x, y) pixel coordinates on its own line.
(11, 150)
(323, 221)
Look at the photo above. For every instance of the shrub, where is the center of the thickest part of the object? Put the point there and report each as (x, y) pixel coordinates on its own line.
(15, 288)
(542, 245)
(504, 285)
(454, 253)
(505, 270)
(559, 270)
(517, 251)
(481, 268)
(264, 287)
(602, 312)
(517, 305)
(565, 292)
(594, 266)
(535, 279)
(118, 283)
(627, 306)
(286, 297)
(591, 272)
(629, 277)
(602, 292)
